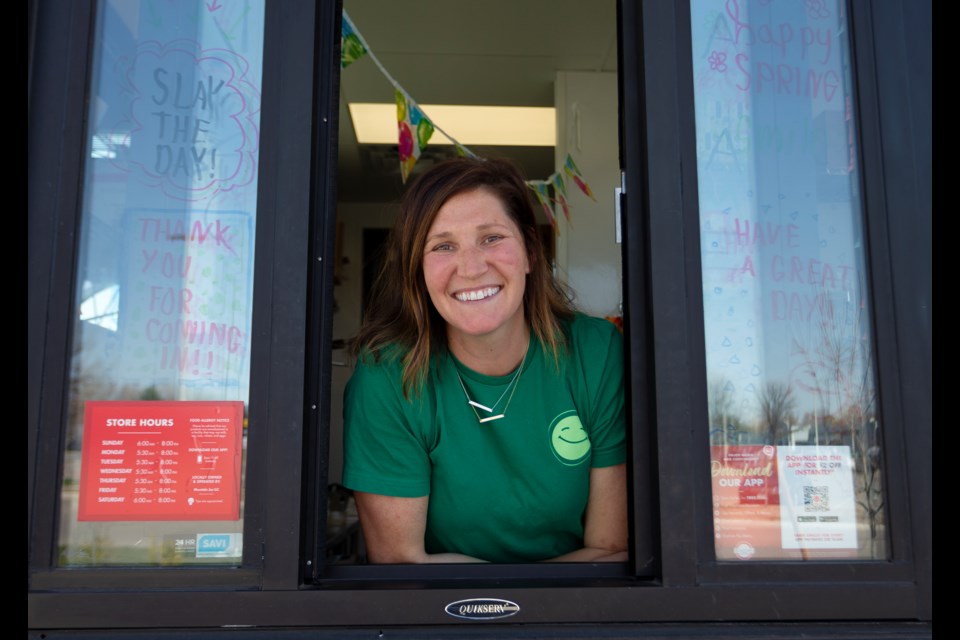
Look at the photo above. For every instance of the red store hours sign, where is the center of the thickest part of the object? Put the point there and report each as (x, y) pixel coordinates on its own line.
(155, 460)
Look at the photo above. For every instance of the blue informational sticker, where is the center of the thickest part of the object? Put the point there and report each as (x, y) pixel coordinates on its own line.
(219, 545)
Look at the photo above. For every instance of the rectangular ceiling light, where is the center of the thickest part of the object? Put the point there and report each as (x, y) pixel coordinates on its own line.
(470, 125)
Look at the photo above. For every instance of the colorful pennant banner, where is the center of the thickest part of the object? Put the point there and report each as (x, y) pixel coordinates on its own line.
(352, 46)
(415, 129)
(543, 197)
(571, 170)
(560, 193)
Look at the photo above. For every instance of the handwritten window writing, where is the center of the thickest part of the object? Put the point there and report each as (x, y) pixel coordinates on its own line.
(787, 310)
(187, 292)
(192, 123)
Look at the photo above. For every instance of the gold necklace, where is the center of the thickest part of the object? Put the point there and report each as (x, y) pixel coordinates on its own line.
(512, 387)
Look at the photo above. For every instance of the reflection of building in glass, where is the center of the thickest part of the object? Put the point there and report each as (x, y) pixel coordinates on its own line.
(101, 307)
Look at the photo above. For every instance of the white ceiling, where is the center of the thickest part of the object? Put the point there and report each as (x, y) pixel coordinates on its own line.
(489, 52)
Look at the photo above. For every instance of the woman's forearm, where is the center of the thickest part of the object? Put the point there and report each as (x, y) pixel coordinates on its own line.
(591, 554)
(436, 558)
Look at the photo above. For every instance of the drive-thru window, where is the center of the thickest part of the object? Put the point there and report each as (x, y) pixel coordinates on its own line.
(741, 186)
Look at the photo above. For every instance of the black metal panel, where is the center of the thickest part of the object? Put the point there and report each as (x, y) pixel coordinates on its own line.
(278, 358)
(661, 193)
(699, 427)
(750, 631)
(375, 607)
(58, 73)
(143, 579)
(644, 530)
(316, 447)
(876, 212)
(876, 224)
(901, 58)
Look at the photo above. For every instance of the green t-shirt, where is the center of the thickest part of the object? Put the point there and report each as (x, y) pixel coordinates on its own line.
(510, 490)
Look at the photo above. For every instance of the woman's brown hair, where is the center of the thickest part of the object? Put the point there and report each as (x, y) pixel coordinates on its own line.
(399, 312)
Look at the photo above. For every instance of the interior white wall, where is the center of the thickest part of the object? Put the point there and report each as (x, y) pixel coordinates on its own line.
(588, 256)
(355, 217)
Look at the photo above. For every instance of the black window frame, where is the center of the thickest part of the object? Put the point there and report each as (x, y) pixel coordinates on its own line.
(321, 575)
(275, 587)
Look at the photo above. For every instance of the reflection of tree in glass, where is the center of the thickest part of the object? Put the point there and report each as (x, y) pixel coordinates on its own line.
(872, 499)
(88, 381)
(96, 551)
(838, 370)
(150, 393)
(776, 411)
(838, 366)
(94, 377)
(726, 427)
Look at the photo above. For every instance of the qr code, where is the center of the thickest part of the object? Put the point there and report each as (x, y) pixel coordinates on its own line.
(816, 498)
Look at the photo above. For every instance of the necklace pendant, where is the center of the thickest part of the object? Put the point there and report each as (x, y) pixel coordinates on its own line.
(511, 388)
(480, 406)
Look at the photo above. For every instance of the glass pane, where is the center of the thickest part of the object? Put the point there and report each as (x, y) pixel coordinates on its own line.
(794, 425)
(159, 377)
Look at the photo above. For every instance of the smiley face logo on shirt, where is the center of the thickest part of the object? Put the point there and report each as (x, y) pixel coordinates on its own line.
(568, 439)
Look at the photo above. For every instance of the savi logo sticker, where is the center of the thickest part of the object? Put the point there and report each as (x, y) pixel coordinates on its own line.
(482, 608)
(219, 545)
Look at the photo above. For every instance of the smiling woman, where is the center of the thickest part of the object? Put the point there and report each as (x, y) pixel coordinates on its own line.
(475, 266)
(485, 419)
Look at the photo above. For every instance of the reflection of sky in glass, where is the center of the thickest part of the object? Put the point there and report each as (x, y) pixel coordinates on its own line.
(783, 268)
(105, 146)
(101, 308)
(170, 199)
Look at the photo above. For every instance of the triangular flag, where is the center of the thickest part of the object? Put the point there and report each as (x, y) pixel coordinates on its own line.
(414, 132)
(560, 194)
(571, 170)
(540, 190)
(351, 45)
(462, 151)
